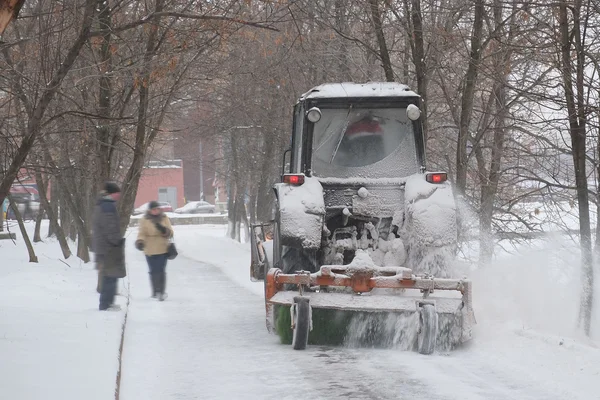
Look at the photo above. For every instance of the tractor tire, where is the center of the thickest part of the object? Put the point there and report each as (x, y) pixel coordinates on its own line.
(428, 327)
(301, 323)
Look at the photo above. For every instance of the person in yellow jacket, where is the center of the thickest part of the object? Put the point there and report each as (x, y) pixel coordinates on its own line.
(154, 233)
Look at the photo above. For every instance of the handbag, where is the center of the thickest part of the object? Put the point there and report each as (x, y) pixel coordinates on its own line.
(172, 251)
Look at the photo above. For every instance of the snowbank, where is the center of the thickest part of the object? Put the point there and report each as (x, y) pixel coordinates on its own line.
(54, 343)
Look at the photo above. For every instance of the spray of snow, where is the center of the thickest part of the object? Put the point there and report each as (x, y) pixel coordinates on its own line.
(388, 330)
(536, 290)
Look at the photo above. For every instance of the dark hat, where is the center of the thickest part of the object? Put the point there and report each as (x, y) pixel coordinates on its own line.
(111, 187)
(153, 204)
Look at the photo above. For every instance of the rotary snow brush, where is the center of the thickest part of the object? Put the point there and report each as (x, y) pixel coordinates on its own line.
(369, 306)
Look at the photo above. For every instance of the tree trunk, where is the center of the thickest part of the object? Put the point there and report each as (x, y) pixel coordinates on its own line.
(64, 220)
(240, 214)
(265, 196)
(489, 188)
(233, 231)
(574, 97)
(77, 227)
(82, 247)
(340, 21)
(54, 224)
(72, 231)
(231, 210)
(597, 244)
(252, 207)
(467, 100)
(51, 210)
(105, 92)
(384, 53)
(419, 61)
(37, 236)
(587, 273)
(32, 257)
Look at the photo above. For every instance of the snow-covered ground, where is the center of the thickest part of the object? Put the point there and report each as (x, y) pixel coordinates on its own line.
(54, 343)
(208, 340)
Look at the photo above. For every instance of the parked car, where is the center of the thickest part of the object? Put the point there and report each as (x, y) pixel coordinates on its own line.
(166, 207)
(28, 205)
(196, 207)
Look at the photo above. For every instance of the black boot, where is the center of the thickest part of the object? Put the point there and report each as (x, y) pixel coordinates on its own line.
(154, 281)
(162, 284)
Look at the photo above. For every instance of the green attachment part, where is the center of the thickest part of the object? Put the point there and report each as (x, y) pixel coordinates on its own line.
(367, 329)
(329, 326)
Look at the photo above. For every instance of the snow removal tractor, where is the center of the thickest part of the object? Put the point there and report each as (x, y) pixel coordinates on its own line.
(363, 237)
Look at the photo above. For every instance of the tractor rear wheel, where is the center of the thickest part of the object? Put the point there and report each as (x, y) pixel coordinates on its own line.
(428, 327)
(301, 328)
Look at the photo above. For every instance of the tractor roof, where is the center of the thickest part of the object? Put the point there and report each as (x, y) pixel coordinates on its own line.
(371, 89)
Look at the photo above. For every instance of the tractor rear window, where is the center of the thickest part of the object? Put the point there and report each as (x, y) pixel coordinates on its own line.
(373, 142)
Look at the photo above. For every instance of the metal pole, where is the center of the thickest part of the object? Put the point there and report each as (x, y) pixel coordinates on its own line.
(201, 173)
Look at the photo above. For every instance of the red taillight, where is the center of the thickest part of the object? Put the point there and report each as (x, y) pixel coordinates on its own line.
(295, 180)
(436, 177)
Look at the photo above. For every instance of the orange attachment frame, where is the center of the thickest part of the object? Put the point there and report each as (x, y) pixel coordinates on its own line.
(364, 280)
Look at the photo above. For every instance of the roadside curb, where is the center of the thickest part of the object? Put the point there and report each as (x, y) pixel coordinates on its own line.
(122, 343)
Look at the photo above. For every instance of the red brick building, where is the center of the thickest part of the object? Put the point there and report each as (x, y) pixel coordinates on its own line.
(162, 181)
(192, 144)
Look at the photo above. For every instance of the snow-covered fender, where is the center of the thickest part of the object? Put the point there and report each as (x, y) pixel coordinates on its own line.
(301, 213)
(430, 225)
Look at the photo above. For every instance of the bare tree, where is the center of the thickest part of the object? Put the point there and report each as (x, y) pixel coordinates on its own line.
(571, 29)
(36, 109)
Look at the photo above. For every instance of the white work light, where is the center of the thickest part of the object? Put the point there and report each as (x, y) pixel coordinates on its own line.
(412, 112)
(313, 115)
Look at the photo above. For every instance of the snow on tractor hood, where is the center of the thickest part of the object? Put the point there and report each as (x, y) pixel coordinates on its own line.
(301, 213)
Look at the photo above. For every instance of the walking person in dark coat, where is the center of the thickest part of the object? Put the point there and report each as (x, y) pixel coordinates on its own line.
(108, 245)
(153, 238)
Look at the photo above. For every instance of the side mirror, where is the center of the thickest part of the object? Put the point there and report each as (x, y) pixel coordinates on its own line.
(285, 153)
(261, 250)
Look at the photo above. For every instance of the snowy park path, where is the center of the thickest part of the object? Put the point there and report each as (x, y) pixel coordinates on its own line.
(204, 342)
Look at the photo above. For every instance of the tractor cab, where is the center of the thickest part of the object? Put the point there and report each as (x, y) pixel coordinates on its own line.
(347, 130)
